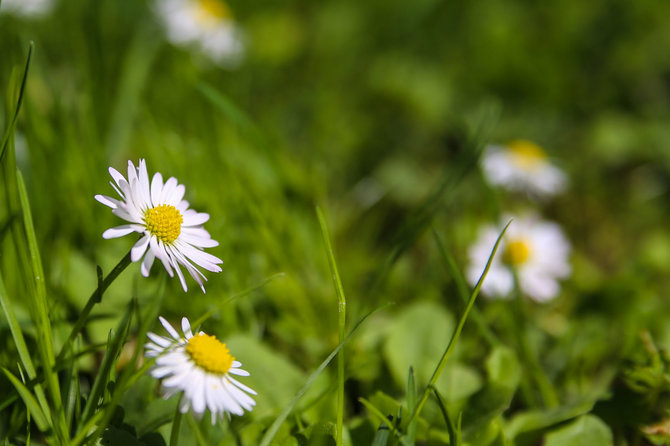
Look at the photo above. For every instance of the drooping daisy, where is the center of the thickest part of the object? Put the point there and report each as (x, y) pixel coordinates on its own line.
(201, 366)
(536, 249)
(206, 24)
(26, 8)
(522, 166)
(172, 232)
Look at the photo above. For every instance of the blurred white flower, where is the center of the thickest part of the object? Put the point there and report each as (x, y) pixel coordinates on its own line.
(200, 366)
(26, 8)
(522, 166)
(536, 249)
(172, 232)
(206, 24)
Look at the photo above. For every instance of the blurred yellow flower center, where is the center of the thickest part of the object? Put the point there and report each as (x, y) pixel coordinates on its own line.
(164, 222)
(526, 154)
(209, 354)
(211, 9)
(516, 252)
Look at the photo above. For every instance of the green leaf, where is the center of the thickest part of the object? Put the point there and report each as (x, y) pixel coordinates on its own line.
(587, 430)
(532, 421)
(30, 401)
(10, 129)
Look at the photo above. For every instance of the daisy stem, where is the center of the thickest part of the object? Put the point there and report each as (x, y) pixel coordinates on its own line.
(342, 310)
(176, 425)
(95, 298)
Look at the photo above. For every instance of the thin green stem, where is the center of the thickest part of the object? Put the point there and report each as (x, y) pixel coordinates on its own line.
(342, 311)
(463, 292)
(459, 328)
(95, 298)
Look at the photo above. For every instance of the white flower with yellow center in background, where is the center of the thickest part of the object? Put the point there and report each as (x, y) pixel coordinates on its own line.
(26, 8)
(537, 250)
(200, 366)
(207, 24)
(172, 232)
(522, 166)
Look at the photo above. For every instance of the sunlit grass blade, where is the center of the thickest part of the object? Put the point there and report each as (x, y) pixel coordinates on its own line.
(342, 310)
(463, 291)
(459, 327)
(411, 405)
(114, 347)
(274, 428)
(40, 314)
(29, 400)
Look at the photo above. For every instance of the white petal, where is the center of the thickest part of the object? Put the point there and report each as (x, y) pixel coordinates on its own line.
(107, 201)
(156, 189)
(118, 231)
(169, 328)
(140, 248)
(195, 218)
(147, 263)
(186, 328)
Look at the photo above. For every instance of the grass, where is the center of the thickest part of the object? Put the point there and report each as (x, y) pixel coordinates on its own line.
(376, 115)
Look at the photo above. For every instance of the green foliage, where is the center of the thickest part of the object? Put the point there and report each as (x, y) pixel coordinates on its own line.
(378, 113)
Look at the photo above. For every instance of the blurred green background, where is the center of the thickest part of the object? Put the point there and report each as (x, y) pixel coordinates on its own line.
(366, 109)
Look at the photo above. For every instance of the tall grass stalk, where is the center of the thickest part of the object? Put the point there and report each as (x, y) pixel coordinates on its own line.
(459, 328)
(342, 310)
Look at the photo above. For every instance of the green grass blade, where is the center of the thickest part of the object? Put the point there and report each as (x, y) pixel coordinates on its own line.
(10, 128)
(41, 314)
(176, 426)
(29, 400)
(411, 405)
(274, 428)
(454, 432)
(459, 327)
(463, 290)
(114, 347)
(382, 435)
(342, 314)
(21, 347)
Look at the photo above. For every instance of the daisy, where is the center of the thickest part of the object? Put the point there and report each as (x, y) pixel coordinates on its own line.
(172, 232)
(200, 366)
(207, 24)
(26, 8)
(522, 166)
(536, 249)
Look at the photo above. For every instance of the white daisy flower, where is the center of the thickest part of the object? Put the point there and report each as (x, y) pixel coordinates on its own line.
(522, 166)
(207, 24)
(26, 8)
(172, 232)
(201, 366)
(536, 249)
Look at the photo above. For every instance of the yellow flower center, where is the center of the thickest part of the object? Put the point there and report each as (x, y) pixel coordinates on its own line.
(526, 154)
(210, 354)
(516, 252)
(164, 222)
(208, 10)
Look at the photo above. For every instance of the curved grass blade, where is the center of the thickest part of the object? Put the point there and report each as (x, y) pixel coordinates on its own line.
(459, 327)
(342, 314)
(29, 400)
